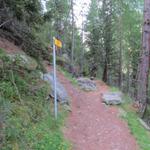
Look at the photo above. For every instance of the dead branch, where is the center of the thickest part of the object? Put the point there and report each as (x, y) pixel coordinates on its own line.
(5, 23)
(16, 88)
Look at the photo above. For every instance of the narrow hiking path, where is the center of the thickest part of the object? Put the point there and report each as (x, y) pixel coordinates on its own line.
(93, 126)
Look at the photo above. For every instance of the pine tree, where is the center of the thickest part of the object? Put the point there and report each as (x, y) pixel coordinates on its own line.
(142, 91)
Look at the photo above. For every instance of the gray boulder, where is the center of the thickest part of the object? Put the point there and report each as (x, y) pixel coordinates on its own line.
(62, 95)
(112, 98)
(24, 61)
(86, 84)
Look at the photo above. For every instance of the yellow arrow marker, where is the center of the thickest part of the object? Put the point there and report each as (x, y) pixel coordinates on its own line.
(58, 43)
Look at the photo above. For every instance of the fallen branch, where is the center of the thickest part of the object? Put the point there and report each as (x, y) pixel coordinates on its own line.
(17, 91)
(5, 22)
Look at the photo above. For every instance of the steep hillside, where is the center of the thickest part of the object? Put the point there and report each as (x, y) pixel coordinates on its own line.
(26, 120)
(8, 46)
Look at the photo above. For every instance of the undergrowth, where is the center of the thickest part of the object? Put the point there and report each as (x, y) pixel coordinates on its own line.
(68, 76)
(141, 135)
(26, 121)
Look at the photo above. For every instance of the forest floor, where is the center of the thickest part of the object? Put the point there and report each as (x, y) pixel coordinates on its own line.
(92, 125)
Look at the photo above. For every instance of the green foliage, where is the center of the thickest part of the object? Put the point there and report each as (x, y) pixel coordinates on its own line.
(33, 29)
(139, 132)
(21, 20)
(114, 89)
(27, 10)
(114, 35)
(68, 76)
(26, 119)
(56, 19)
(99, 39)
(58, 23)
(142, 135)
(46, 136)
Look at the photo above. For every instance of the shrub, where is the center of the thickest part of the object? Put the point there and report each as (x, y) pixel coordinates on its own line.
(24, 116)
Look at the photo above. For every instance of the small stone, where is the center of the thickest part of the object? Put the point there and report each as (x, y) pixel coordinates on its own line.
(67, 108)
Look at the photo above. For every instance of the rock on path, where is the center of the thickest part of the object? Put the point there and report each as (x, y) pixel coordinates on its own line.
(86, 84)
(112, 98)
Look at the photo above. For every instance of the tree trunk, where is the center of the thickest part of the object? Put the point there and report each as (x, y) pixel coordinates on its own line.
(107, 35)
(105, 72)
(120, 54)
(72, 46)
(143, 73)
(128, 78)
(82, 54)
(120, 66)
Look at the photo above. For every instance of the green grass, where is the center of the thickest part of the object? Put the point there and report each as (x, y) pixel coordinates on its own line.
(68, 76)
(141, 135)
(114, 89)
(47, 134)
(28, 123)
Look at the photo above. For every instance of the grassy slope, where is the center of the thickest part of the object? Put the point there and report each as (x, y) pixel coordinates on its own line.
(27, 115)
(68, 76)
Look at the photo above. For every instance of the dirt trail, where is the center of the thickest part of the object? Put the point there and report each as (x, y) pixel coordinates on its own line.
(93, 126)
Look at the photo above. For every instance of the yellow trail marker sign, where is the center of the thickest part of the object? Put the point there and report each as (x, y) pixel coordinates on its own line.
(58, 43)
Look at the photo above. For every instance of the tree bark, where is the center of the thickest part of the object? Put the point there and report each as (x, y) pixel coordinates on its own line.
(72, 45)
(105, 72)
(142, 91)
(107, 35)
(120, 54)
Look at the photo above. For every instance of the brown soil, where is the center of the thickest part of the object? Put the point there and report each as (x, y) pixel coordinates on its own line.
(9, 47)
(93, 126)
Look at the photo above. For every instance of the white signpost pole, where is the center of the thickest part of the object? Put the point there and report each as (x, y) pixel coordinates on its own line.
(54, 75)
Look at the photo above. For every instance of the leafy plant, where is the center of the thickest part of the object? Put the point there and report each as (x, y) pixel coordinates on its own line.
(142, 135)
(26, 118)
